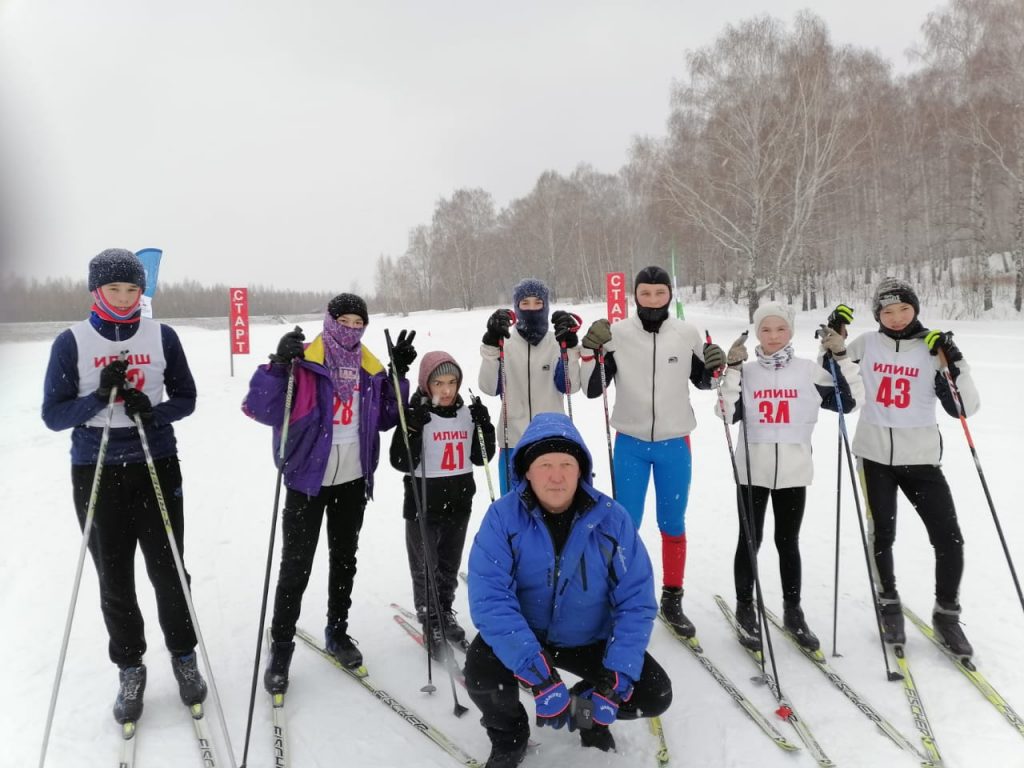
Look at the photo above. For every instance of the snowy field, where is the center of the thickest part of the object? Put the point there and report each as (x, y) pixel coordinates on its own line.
(229, 488)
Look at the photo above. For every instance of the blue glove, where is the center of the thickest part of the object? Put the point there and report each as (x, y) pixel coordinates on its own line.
(549, 692)
(612, 689)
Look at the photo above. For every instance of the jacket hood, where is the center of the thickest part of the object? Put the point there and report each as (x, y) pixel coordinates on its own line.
(548, 425)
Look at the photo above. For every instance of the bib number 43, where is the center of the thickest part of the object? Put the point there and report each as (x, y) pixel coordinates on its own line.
(893, 392)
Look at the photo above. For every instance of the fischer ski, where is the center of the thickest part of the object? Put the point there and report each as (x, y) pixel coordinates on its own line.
(965, 665)
(662, 756)
(785, 710)
(205, 744)
(280, 723)
(819, 660)
(129, 731)
(921, 722)
(746, 704)
(361, 676)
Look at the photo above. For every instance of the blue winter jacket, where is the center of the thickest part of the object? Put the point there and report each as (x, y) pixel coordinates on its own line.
(601, 586)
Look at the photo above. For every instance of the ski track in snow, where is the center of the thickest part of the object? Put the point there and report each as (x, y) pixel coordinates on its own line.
(229, 487)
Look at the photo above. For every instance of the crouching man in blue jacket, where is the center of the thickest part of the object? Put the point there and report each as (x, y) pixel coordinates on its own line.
(559, 579)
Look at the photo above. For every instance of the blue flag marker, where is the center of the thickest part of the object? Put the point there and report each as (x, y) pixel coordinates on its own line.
(150, 258)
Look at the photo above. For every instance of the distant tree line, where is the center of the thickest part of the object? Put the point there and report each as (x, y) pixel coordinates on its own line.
(24, 300)
(791, 166)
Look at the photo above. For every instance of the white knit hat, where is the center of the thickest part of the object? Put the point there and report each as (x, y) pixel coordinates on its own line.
(772, 309)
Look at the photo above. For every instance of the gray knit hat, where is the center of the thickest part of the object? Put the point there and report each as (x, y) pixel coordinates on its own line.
(893, 290)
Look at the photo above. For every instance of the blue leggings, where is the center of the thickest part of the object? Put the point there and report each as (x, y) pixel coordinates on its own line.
(670, 460)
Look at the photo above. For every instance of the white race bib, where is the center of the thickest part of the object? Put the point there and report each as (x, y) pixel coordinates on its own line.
(146, 365)
(899, 387)
(446, 445)
(780, 406)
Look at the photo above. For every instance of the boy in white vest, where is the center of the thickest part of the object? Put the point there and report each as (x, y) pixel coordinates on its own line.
(898, 447)
(778, 396)
(445, 445)
(153, 382)
(536, 376)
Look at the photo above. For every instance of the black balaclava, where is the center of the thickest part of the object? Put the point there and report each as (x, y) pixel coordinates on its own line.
(652, 317)
(532, 324)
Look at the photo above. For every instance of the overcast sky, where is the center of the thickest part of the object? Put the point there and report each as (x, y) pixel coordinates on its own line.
(292, 142)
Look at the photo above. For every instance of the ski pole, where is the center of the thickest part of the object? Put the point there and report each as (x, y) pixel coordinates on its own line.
(981, 475)
(503, 383)
(565, 363)
(288, 398)
(890, 675)
(607, 420)
(186, 592)
(90, 513)
(483, 451)
(420, 515)
(835, 576)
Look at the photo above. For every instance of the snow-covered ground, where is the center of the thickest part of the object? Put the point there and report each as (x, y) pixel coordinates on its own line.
(229, 489)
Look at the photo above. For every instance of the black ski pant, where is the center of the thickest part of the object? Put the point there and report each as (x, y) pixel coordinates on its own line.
(300, 532)
(493, 688)
(788, 506)
(446, 537)
(127, 515)
(926, 488)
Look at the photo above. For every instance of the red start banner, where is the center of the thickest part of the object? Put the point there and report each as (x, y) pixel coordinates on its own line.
(615, 287)
(239, 300)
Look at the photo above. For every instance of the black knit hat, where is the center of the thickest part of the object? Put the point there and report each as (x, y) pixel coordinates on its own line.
(892, 290)
(348, 304)
(116, 265)
(526, 455)
(655, 275)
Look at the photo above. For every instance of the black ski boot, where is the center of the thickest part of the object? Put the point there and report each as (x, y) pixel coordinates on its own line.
(599, 737)
(275, 678)
(793, 620)
(507, 750)
(343, 648)
(672, 610)
(191, 686)
(434, 637)
(946, 622)
(452, 631)
(891, 609)
(128, 705)
(750, 627)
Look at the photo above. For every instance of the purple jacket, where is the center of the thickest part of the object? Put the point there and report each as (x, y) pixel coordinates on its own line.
(311, 423)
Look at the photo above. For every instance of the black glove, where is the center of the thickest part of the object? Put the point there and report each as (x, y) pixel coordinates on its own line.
(137, 402)
(418, 412)
(478, 412)
(289, 347)
(943, 340)
(403, 353)
(112, 375)
(841, 316)
(497, 327)
(599, 334)
(714, 357)
(565, 328)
